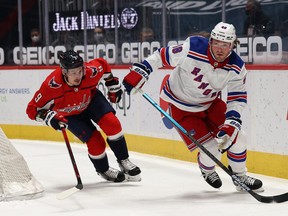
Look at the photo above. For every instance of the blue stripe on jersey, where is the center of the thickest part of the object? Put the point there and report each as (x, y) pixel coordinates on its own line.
(168, 92)
(198, 49)
(146, 63)
(236, 93)
(233, 67)
(235, 62)
(199, 45)
(167, 55)
(197, 57)
(237, 96)
(177, 100)
(233, 113)
(237, 72)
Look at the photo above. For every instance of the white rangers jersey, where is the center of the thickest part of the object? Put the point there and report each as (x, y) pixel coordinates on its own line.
(198, 79)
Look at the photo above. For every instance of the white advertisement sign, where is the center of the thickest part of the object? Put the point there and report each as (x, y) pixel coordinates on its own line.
(265, 119)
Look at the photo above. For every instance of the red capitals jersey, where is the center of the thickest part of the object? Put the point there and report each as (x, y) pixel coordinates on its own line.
(55, 94)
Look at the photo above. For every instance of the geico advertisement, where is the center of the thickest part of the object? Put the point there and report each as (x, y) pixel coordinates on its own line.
(264, 120)
(248, 49)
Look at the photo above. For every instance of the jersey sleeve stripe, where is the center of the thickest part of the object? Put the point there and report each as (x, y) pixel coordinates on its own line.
(164, 53)
(233, 67)
(237, 96)
(198, 56)
(146, 63)
(167, 91)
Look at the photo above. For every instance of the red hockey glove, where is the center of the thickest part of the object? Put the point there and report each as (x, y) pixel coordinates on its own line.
(136, 78)
(52, 119)
(114, 90)
(227, 135)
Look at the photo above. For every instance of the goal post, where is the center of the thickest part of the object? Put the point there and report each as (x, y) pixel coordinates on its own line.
(16, 180)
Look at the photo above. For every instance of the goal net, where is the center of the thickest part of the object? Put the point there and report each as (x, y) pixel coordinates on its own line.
(16, 180)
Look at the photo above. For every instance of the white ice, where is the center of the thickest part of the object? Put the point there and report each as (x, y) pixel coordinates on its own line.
(168, 187)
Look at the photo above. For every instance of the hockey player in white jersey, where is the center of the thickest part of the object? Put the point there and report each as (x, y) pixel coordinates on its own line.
(203, 68)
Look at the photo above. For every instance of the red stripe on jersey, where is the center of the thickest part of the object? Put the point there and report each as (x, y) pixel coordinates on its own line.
(163, 56)
(198, 55)
(236, 97)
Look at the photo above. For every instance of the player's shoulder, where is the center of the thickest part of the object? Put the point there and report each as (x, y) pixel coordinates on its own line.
(235, 59)
(98, 64)
(199, 44)
(236, 64)
(54, 80)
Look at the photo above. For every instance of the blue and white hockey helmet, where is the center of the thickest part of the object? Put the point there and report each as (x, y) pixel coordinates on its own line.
(224, 32)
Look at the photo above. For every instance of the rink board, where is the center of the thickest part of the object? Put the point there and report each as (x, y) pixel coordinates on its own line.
(265, 119)
(258, 162)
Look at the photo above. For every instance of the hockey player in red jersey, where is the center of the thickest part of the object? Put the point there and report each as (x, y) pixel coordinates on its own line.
(202, 69)
(69, 96)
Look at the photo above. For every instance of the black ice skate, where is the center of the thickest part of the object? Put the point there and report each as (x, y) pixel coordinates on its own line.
(253, 183)
(132, 172)
(212, 178)
(113, 175)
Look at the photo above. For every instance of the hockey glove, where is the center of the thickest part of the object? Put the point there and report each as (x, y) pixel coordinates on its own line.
(52, 119)
(227, 135)
(136, 78)
(114, 90)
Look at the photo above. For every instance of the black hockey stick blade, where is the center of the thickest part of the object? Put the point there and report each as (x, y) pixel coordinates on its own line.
(270, 199)
(264, 199)
(281, 198)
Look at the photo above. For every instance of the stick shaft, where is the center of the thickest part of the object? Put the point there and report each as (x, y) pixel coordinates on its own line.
(235, 178)
(79, 181)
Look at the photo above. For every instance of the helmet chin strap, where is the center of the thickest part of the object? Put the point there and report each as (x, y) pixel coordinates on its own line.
(66, 80)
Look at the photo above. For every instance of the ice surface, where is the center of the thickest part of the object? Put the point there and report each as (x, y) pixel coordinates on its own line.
(168, 187)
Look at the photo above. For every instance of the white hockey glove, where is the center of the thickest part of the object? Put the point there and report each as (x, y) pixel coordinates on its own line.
(227, 135)
(136, 78)
(52, 119)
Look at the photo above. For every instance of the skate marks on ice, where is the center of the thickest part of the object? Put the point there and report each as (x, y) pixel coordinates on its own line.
(168, 187)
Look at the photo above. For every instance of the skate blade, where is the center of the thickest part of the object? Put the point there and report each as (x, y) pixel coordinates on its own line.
(136, 178)
(259, 190)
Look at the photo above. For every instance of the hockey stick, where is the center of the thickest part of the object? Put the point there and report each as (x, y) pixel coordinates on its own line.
(264, 199)
(79, 186)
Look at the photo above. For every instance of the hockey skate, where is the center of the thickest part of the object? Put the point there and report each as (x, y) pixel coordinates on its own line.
(253, 183)
(131, 171)
(113, 175)
(212, 178)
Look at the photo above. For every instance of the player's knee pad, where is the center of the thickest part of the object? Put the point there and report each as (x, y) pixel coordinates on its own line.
(204, 161)
(96, 144)
(110, 125)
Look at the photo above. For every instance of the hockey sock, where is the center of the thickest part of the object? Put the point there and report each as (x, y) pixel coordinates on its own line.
(119, 148)
(101, 164)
